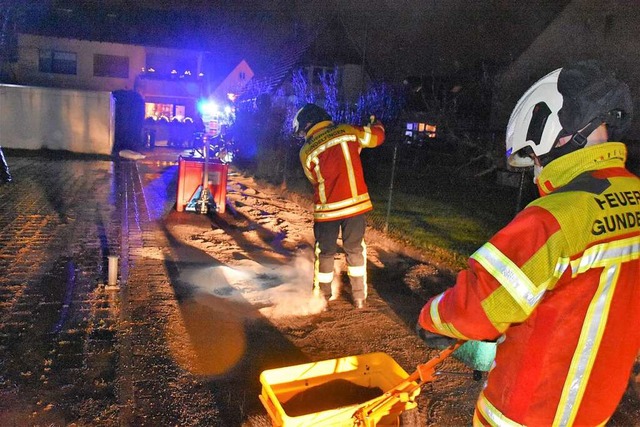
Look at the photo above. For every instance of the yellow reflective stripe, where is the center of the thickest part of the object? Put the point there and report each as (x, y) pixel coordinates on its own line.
(521, 289)
(366, 140)
(322, 148)
(309, 175)
(444, 328)
(356, 271)
(341, 204)
(605, 254)
(322, 194)
(343, 212)
(492, 415)
(587, 348)
(476, 420)
(312, 157)
(435, 314)
(608, 256)
(353, 187)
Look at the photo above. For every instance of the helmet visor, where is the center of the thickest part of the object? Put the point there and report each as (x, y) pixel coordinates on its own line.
(541, 113)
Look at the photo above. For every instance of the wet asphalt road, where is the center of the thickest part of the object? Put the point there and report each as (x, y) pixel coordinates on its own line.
(72, 350)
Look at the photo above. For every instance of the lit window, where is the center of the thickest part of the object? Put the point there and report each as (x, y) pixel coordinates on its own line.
(53, 61)
(420, 131)
(168, 111)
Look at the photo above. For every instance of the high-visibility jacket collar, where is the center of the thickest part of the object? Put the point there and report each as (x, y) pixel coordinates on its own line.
(564, 169)
(318, 127)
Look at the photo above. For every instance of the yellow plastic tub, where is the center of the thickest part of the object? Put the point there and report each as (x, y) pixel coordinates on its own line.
(373, 371)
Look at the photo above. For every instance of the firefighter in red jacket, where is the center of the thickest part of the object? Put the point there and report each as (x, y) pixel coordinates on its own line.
(330, 159)
(559, 286)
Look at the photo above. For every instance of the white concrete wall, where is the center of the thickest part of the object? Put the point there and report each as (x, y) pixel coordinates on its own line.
(28, 56)
(58, 119)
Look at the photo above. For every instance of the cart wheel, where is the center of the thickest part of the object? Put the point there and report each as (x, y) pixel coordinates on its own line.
(410, 418)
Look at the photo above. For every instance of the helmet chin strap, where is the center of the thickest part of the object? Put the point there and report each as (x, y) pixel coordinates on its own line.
(578, 140)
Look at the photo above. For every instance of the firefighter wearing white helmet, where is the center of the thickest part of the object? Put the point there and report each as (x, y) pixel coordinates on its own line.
(330, 159)
(558, 288)
(571, 102)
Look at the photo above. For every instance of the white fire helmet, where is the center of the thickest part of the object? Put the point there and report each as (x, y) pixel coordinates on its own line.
(534, 122)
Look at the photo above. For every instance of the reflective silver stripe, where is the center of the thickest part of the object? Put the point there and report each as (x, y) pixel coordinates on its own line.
(364, 277)
(561, 266)
(492, 415)
(510, 277)
(587, 348)
(435, 315)
(353, 187)
(604, 254)
(445, 328)
(325, 277)
(343, 212)
(356, 271)
(316, 268)
(341, 204)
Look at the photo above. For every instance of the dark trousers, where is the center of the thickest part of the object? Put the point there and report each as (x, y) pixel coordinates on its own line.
(326, 246)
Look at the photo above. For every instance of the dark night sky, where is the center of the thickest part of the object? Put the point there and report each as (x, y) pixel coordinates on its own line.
(399, 37)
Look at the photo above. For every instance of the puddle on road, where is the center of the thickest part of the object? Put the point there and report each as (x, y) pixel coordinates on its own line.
(209, 338)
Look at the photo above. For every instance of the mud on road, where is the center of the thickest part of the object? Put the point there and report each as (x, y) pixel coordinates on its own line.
(203, 304)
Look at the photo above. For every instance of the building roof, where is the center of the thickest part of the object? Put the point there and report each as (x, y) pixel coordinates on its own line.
(605, 30)
(327, 44)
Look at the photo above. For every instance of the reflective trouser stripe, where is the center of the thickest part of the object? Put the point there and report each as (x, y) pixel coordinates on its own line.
(356, 253)
(324, 277)
(326, 234)
(318, 276)
(356, 270)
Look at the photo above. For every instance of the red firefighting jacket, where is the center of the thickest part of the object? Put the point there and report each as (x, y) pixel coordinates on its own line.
(330, 159)
(559, 287)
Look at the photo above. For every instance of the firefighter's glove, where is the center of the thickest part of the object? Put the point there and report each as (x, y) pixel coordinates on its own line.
(434, 340)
